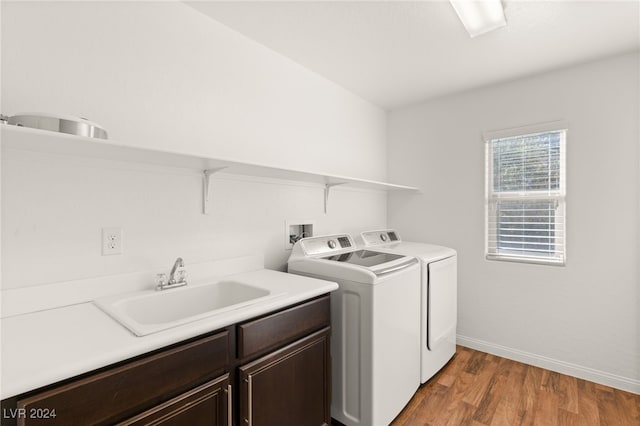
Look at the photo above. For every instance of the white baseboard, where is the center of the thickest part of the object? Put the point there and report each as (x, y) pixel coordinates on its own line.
(586, 373)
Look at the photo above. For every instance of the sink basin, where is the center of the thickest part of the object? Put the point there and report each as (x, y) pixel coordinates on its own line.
(151, 311)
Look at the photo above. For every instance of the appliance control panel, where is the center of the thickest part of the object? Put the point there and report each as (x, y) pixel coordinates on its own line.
(344, 242)
(326, 244)
(376, 238)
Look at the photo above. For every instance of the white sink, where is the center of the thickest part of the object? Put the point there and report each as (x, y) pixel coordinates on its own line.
(151, 311)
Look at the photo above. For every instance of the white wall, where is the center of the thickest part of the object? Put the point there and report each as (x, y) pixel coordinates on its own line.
(163, 75)
(583, 318)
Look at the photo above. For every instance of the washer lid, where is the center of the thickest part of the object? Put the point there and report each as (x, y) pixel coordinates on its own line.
(366, 258)
(377, 262)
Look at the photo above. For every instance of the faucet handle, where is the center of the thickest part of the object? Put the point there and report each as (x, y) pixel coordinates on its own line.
(181, 275)
(161, 280)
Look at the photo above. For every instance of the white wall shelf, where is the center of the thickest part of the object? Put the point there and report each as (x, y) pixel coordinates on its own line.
(28, 139)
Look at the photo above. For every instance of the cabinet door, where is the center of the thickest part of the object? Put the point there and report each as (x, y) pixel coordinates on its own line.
(207, 405)
(290, 386)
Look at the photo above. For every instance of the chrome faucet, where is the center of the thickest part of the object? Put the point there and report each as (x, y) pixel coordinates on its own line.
(177, 276)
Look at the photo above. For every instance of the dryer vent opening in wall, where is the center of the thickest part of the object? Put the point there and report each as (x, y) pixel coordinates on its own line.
(296, 230)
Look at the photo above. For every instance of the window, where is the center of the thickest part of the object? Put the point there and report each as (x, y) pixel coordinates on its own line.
(525, 195)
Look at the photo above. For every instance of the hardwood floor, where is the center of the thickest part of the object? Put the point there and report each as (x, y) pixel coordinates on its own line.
(479, 389)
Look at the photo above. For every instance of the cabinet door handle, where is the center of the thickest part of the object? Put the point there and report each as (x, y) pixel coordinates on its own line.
(229, 406)
(249, 381)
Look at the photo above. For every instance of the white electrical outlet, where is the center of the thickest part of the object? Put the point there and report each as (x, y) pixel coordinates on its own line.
(111, 241)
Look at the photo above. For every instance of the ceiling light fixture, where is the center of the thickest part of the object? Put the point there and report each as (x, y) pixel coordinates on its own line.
(480, 16)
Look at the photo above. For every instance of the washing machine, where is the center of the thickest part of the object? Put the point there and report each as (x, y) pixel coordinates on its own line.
(375, 322)
(438, 299)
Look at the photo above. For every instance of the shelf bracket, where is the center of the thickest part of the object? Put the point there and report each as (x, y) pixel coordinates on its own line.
(206, 180)
(327, 188)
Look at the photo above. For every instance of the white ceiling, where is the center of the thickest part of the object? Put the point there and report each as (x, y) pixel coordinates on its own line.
(395, 53)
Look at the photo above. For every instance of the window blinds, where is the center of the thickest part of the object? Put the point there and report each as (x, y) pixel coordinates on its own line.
(525, 198)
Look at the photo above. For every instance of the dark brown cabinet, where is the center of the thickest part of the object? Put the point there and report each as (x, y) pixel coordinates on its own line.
(118, 393)
(289, 386)
(270, 370)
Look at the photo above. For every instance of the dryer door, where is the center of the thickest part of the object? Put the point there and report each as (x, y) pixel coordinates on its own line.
(442, 300)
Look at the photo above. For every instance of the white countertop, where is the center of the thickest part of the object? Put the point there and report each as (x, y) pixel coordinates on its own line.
(45, 347)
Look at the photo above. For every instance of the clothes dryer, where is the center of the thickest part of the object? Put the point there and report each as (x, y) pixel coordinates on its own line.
(438, 296)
